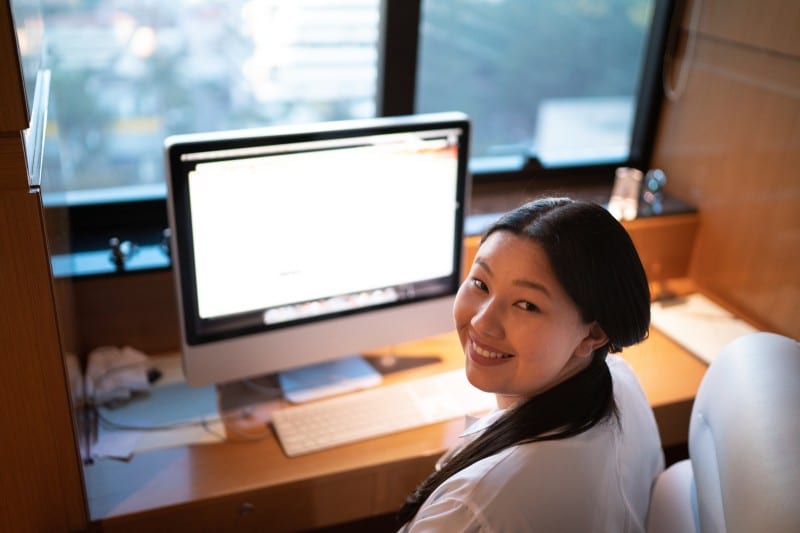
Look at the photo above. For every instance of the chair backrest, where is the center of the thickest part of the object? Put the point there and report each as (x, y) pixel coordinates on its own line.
(744, 437)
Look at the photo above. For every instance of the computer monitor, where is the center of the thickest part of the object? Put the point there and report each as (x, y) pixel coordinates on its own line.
(304, 244)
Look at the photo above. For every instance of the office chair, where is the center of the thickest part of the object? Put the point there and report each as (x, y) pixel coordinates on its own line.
(743, 471)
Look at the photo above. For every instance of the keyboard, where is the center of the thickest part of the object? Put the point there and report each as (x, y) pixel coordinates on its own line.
(379, 411)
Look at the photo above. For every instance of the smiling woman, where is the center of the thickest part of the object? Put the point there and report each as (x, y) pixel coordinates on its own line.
(520, 330)
(556, 285)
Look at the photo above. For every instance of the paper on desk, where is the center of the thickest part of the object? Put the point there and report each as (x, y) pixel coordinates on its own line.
(698, 324)
(175, 404)
(115, 444)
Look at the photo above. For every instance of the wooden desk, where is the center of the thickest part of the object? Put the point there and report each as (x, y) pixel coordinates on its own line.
(253, 485)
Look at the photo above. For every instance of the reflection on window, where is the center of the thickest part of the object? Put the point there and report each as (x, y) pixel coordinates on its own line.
(127, 73)
(552, 80)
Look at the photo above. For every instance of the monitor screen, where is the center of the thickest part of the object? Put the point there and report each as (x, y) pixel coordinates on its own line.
(304, 244)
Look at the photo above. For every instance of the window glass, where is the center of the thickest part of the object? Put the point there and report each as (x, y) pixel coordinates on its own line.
(128, 73)
(555, 80)
(27, 15)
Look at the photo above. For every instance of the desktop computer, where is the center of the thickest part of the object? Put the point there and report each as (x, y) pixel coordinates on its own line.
(304, 245)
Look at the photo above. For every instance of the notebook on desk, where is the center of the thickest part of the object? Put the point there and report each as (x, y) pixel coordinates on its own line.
(698, 324)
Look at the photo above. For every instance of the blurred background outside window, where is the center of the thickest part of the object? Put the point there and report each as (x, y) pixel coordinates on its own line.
(551, 80)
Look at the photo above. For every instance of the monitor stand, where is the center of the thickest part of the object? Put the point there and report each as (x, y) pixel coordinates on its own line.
(317, 381)
(248, 393)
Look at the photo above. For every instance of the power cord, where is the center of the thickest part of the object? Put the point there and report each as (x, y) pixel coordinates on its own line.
(674, 93)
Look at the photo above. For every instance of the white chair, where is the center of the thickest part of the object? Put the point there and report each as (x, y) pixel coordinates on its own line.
(743, 471)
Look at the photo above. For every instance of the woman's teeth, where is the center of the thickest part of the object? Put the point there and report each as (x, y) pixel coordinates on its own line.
(489, 354)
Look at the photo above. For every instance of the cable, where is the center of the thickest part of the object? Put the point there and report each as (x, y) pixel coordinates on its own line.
(201, 422)
(673, 94)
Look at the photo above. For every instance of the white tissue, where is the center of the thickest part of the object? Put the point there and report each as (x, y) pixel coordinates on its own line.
(115, 373)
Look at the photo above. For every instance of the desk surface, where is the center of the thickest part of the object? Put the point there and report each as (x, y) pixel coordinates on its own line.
(250, 483)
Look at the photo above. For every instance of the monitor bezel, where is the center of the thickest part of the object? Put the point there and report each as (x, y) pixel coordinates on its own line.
(219, 357)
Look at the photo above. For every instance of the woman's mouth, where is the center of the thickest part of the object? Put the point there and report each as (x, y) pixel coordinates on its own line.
(486, 356)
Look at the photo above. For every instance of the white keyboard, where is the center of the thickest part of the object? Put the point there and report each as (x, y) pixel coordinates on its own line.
(379, 411)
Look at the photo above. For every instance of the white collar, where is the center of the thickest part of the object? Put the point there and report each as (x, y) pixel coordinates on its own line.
(476, 425)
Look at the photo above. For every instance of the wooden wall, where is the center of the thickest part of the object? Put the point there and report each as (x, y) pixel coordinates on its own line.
(730, 144)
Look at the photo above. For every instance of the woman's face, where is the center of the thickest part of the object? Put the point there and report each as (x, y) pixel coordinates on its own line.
(520, 332)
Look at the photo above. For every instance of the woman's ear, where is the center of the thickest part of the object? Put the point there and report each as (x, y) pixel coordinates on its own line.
(594, 339)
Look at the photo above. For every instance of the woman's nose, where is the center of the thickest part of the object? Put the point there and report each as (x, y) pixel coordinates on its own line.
(486, 320)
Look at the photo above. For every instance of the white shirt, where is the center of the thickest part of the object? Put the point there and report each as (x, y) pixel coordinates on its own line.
(599, 480)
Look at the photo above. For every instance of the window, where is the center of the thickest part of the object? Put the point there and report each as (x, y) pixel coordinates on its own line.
(555, 81)
(567, 87)
(126, 74)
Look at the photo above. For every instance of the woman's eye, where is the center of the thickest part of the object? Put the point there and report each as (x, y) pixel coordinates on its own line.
(480, 285)
(528, 306)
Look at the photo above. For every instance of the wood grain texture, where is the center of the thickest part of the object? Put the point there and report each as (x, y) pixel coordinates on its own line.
(770, 25)
(41, 488)
(13, 168)
(137, 309)
(731, 146)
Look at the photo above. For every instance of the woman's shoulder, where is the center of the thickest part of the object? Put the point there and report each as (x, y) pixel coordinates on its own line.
(627, 387)
(624, 378)
(533, 465)
(533, 483)
(618, 365)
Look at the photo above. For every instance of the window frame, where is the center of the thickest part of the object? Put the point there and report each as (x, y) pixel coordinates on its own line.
(143, 222)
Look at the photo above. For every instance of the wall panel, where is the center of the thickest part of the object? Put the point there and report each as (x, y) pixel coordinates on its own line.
(730, 145)
(770, 25)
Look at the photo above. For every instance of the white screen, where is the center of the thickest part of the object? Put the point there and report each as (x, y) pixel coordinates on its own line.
(275, 230)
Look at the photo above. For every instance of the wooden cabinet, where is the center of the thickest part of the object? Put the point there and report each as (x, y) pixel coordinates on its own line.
(664, 244)
(41, 488)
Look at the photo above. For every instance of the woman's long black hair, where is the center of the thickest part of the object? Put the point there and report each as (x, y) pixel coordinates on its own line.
(596, 262)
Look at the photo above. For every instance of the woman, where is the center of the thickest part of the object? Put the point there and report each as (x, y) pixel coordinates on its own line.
(573, 446)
